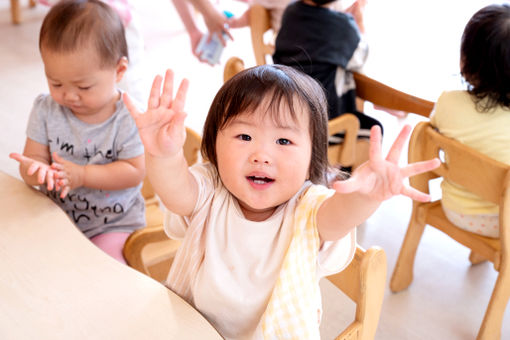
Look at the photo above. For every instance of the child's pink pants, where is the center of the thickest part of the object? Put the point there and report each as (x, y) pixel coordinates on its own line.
(112, 244)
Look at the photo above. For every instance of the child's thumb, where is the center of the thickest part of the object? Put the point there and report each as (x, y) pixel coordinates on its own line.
(16, 156)
(57, 158)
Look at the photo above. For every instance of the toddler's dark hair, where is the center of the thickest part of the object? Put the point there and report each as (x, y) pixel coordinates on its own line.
(246, 91)
(485, 56)
(74, 24)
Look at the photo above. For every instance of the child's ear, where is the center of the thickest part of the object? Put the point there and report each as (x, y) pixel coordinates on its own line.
(121, 68)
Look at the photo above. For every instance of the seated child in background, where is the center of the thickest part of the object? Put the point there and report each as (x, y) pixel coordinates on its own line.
(326, 45)
(480, 116)
(258, 223)
(81, 140)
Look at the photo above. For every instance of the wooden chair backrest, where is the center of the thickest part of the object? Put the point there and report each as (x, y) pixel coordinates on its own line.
(260, 23)
(460, 164)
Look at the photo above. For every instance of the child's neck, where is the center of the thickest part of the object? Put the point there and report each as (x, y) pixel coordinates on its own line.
(256, 216)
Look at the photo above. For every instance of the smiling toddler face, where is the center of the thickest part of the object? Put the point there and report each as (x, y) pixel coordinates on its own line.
(264, 162)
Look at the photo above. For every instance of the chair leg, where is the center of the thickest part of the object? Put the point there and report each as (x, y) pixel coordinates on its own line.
(403, 272)
(493, 319)
(15, 12)
(475, 258)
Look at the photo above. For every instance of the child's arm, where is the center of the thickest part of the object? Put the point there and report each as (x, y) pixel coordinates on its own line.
(34, 164)
(373, 182)
(163, 134)
(117, 175)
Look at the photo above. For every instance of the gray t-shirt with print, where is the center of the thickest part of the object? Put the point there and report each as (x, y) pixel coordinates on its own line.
(94, 211)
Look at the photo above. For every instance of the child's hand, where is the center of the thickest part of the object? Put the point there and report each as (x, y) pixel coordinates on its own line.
(380, 178)
(45, 174)
(68, 174)
(162, 128)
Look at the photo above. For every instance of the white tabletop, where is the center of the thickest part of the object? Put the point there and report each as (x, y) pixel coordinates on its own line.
(55, 284)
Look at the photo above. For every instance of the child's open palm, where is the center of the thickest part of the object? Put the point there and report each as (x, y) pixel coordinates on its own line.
(43, 171)
(161, 128)
(381, 178)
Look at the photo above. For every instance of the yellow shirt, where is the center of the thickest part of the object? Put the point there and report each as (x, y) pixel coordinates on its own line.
(455, 116)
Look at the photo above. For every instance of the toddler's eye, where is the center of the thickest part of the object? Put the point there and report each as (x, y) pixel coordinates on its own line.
(283, 141)
(56, 85)
(244, 137)
(84, 87)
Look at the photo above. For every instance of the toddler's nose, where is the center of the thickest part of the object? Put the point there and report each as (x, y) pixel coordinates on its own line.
(260, 158)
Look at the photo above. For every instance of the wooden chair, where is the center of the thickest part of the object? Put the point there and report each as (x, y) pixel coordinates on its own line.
(367, 89)
(16, 11)
(481, 175)
(363, 281)
(149, 250)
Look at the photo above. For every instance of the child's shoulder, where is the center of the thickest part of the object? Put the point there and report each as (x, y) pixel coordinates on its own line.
(44, 104)
(455, 98)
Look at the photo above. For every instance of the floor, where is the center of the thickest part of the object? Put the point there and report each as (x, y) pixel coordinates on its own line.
(416, 52)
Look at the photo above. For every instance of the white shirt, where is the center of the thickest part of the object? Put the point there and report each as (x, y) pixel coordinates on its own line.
(241, 258)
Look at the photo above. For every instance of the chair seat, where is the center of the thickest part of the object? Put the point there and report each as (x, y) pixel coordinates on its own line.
(153, 215)
(489, 248)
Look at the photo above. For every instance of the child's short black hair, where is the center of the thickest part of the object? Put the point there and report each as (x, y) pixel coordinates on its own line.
(247, 90)
(485, 56)
(74, 24)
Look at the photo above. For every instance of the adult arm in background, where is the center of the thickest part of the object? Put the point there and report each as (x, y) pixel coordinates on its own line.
(215, 21)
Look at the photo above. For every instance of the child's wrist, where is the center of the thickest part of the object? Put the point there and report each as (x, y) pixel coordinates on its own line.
(82, 176)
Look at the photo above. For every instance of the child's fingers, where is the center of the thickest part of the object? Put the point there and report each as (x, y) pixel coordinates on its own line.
(374, 150)
(180, 97)
(62, 182)
(64, 192)
(50, 182)
(41, 175)
(61, 174)
(420, 167)
(415, 194)
(396, 149)
(33, 168)
(155, 93)
(168, 89)
(16, 156)
(133, 110)
(57, 166)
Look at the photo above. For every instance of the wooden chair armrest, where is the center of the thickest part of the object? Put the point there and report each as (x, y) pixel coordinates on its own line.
(380, 94)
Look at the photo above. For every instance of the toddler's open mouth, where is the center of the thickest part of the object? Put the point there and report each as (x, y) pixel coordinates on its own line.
(260, 180)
